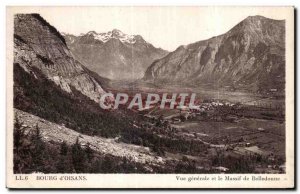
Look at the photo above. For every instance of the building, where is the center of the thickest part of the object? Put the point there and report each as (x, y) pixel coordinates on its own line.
(250, 151)
(220, 169)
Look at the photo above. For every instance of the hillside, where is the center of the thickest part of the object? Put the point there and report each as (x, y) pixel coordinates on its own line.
(39, 45)
(249, 56)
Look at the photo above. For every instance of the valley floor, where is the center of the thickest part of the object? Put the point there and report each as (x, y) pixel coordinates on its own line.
(228, 132)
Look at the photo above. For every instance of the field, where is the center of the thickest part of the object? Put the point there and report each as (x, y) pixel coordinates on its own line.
(253, 127)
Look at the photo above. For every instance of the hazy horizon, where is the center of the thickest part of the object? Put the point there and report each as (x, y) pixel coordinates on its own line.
(164, 27)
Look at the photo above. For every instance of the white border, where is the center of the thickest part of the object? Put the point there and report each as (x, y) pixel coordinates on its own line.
(4, 3)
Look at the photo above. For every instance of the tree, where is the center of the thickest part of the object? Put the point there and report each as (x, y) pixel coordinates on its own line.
(96, 166)
(79, 158)
(185, 166)
(22, 156)
(63, 148)
(38, 150)
(64, 164)
(107, 164)
(19, 134)
(182, 118)
(89, 152)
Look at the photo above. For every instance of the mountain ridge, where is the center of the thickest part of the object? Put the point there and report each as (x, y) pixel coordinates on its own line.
(114, 54)
(243, 57)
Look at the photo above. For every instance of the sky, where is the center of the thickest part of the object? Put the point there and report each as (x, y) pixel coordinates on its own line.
(164, 27)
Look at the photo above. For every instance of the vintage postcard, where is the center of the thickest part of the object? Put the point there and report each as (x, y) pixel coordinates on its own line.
(150, 97)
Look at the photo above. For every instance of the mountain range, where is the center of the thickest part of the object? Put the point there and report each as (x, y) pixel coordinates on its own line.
(59, 126)
(249, 56)
(114, 54)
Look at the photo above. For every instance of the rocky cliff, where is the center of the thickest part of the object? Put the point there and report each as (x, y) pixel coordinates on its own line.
(249, 56)
(38, 44)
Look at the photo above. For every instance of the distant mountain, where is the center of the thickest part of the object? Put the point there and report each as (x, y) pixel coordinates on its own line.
(39, 46)
(249, 56)
(114, 55)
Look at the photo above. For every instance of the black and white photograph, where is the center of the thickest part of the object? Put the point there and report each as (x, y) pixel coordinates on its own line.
(195, 93)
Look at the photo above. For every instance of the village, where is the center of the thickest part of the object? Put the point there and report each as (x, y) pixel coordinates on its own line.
(224, 128)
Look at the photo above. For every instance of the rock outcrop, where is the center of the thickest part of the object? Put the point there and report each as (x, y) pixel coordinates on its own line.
(52, 132)
(38, 44)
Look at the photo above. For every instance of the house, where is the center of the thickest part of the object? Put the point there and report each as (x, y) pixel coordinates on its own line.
(255, 150)
(282, 167)
(220, 169)
(217, 103)
(183, 108)
(176, 120)
(251, 150)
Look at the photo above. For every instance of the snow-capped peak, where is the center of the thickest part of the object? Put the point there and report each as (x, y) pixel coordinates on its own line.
(117, 34)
